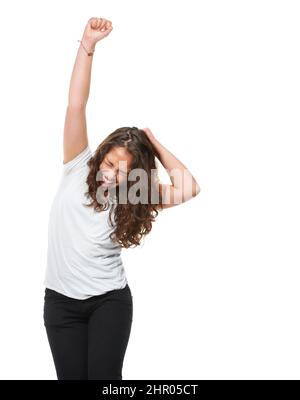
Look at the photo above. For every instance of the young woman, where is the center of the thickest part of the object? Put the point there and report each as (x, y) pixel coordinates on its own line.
(99, 209)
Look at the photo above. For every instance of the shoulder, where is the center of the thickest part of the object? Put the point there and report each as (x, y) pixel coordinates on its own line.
(78, 162)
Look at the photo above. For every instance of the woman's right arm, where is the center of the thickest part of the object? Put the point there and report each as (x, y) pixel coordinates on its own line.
(75, 138)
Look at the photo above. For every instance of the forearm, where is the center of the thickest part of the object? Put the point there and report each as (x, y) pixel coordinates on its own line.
(81, 75)
(180, 176)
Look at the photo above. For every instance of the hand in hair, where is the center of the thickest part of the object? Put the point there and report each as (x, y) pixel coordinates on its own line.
(149, 134)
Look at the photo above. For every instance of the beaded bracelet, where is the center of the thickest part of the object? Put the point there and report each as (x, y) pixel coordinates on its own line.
(87, 52)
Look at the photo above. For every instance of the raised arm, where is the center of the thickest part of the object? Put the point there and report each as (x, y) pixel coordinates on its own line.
(184, 185)
(75, 137)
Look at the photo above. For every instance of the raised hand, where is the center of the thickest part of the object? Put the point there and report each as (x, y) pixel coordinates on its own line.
(96, 29)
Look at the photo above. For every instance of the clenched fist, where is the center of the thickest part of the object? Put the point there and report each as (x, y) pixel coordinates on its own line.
(96, 29)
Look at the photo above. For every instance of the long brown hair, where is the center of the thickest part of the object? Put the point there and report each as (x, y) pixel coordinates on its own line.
(132, 221)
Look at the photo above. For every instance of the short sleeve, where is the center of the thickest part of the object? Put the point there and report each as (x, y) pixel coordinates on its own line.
(78, 162)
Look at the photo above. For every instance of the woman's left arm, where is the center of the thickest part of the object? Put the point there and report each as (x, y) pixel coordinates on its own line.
(184, 185)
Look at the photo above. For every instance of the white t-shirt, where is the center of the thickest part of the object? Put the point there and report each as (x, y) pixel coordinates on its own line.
(82, 261)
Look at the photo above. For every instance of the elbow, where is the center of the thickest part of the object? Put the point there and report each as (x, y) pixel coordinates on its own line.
(196, 190)
(191, 194)
(188, 194)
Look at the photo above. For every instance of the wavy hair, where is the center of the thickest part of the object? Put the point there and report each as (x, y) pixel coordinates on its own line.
(132, 221)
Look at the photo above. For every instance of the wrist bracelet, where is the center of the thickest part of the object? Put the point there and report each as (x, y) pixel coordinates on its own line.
(87, 52)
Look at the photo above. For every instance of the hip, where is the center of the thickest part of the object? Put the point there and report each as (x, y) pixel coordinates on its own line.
(60, 309)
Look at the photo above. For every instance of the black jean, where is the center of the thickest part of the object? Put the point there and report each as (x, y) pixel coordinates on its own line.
(88, 338)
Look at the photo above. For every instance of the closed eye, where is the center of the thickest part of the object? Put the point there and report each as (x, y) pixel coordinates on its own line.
(110, 164)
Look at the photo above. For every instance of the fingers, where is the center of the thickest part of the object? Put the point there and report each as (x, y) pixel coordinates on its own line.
(100, 24)
(108, 25)
(105, 24)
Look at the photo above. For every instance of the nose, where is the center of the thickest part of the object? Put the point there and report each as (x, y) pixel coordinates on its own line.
(109, 178)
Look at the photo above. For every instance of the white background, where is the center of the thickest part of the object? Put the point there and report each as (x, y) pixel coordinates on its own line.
(216, 283)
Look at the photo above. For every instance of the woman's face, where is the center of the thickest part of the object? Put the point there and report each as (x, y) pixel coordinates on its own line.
(115, 167)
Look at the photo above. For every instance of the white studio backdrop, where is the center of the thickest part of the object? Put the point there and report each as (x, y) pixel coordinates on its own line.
(216, 283)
